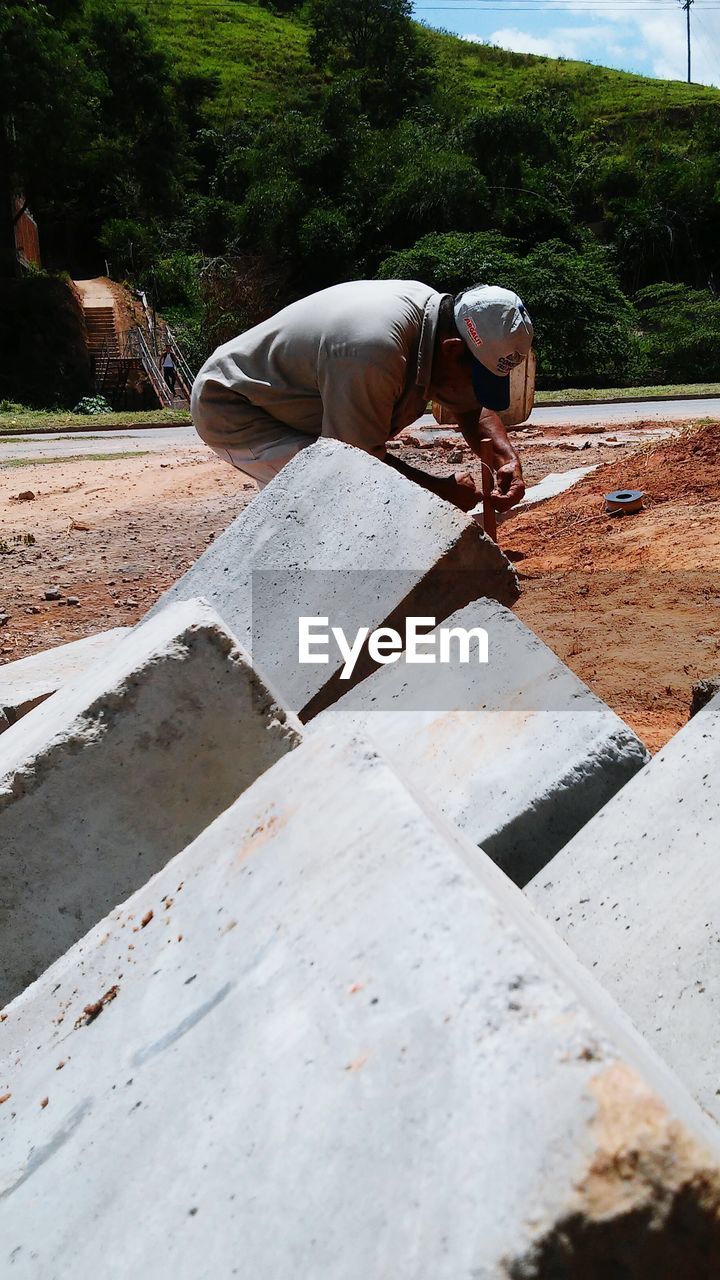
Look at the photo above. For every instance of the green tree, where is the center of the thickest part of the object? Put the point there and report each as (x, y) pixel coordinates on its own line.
(679, 333)
(583, 322)
(45, 109)
(376, 42)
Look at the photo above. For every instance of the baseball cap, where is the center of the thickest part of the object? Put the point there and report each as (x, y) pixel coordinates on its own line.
(498, 331)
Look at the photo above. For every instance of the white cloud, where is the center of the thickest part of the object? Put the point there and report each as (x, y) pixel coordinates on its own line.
(665, 38)
(560, 42)
(626, 40)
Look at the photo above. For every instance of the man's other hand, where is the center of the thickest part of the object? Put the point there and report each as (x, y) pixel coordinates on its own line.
(509, 486)
(460, 490)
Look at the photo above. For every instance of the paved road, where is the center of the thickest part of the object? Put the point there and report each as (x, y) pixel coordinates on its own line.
(171, 439)
(154, 439)
(630, 411)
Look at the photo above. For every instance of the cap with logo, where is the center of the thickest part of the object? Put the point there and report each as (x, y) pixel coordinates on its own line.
(498, 331)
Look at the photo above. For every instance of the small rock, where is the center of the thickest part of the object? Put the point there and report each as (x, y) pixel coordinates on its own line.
(52, 593)
(4, 619)
(455, 455)
(33, 608)
(132, 604)
(27, 495)
(73, 600)
(702, 692)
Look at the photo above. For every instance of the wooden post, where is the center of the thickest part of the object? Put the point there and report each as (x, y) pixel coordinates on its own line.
(488, 484)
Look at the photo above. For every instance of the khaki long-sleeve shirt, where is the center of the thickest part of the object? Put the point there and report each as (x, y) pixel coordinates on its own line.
(352, 362)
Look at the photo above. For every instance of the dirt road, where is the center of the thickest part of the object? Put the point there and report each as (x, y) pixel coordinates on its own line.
(632, 605)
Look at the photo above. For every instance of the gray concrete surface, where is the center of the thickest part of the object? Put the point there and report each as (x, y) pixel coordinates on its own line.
(339, 534)
(79, 443)
(331, 1040)
(120, 770)
(518, 752)
(637, 896)
(625, 411)
(29, 681)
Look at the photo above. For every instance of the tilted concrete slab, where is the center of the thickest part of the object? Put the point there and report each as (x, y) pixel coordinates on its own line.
(119, 771)
(637, 896)
(340, 534)
(517, 752)
(29, 681)
(331, 1039)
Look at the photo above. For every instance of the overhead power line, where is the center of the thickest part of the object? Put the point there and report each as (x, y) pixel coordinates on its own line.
(551, 6)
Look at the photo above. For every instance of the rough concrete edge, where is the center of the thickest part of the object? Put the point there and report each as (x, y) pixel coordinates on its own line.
(13, 714)
(569, 801)
(47, 687)
(510, 618)
(98, 717)
(414, 602)
(589, 831)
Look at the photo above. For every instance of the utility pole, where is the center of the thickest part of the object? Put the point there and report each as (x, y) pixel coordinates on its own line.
(686, 7)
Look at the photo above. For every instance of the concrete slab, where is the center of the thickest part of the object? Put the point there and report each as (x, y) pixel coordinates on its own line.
(518, 753)
(26, 683)
(339, 1041)
(120, 770)
(637, 897)
(340, 534)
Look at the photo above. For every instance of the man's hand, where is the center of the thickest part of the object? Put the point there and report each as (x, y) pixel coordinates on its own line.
(460, 490)
(509, 485)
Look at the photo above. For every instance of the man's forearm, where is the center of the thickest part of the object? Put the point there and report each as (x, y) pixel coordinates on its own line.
(509, 484)
(456, 488)
(487, 426)
(435, 484)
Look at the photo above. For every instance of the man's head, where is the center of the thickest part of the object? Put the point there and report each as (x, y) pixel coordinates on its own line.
(483, 334)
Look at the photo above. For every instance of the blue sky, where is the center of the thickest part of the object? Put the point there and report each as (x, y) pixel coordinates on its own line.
(648, 36)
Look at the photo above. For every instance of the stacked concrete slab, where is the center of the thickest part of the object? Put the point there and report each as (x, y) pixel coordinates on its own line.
(637, 896)
(517, 752)
(340, 534)
(118, 772)
(28, 682)
(331, 1039)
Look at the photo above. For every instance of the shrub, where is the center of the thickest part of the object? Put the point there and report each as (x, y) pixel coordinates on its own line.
(679, 333)
(92, 405)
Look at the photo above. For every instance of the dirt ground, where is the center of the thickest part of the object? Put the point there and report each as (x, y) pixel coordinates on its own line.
(632, 603)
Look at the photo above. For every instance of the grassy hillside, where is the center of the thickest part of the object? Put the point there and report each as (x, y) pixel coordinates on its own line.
(597, 93)
(262, 62)
(261, 59)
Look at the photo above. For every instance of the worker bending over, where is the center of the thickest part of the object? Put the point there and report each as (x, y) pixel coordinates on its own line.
(358, 362)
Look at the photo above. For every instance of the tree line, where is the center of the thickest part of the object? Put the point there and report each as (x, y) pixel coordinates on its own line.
(608, 232)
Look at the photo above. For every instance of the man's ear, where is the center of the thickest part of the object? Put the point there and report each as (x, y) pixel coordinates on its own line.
(450, 353)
